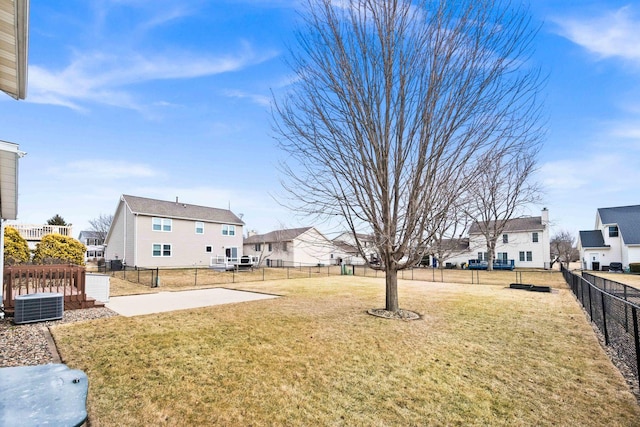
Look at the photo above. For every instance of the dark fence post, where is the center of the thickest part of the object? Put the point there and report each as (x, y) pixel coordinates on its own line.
(604, 320)
(634, 314)
(626, 313)
(590, 305)
(195, 280)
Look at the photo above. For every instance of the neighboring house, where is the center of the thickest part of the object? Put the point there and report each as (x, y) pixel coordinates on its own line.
(34, 233)
(157, 233)
(616, 238)
(525, 240)
(293, 247)
(94, 244)
(346, 243)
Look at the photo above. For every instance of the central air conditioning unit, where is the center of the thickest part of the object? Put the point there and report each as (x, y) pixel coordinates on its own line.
(38, 307)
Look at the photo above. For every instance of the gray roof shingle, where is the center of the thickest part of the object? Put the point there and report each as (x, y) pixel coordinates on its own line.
(286, 235)
(628, 220)
(530, 223)
(162, 208)
(592, 239)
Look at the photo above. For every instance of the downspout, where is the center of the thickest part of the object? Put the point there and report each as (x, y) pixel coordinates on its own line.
(135, 239)
(124, 247)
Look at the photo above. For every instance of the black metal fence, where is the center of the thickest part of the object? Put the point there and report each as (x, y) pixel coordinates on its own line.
(141, 275)
(613, 308)
(196, 276)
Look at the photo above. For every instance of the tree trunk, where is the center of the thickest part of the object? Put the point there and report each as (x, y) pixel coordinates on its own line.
(490, 257)
(391, 276)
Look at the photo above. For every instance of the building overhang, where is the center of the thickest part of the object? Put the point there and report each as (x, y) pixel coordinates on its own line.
(9, 155)
(14, 42)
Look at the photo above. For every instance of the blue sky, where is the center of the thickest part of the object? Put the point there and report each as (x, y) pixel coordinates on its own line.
(166, 99)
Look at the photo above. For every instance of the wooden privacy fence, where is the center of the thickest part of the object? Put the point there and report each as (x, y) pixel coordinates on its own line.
(68, 280)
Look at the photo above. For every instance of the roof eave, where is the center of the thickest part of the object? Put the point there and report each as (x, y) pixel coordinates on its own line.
(14, 82)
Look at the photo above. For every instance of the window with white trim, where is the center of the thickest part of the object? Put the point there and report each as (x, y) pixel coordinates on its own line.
(521, 255)
(505, 238)
(199, 227)
(534, 237)
(257, 247)
(529, 256)
(161, 249)
(161, 224)
(228, 230)
(502, 256)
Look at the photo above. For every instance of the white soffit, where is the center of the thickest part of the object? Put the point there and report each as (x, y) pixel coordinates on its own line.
(9, 155)
(14, 41)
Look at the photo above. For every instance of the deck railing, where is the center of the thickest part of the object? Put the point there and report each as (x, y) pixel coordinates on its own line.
(68, 280)
(36, 232)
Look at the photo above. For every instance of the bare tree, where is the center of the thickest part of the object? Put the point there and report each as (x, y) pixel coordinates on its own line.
(447, 239)
(392, 104)
(100, 226)
(563, 246)
(503, 188)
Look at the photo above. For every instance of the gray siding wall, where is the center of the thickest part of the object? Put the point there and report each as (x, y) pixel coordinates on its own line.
(188, 249)
(115, 244)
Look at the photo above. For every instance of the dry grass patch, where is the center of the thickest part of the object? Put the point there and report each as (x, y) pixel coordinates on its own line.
(481, 355)
(180, 279)
(626, 279)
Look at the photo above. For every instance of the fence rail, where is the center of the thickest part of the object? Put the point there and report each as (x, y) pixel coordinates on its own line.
(68, 280)
(612, 307)
(204, 276)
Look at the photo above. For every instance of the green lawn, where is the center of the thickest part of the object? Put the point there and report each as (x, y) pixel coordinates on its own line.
(480, 355)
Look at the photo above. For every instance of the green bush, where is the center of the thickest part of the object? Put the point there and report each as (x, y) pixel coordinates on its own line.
(56, 249)
(16, 249)
(634, 267)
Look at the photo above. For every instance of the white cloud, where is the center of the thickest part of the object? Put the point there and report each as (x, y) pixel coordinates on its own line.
(612, 34)
(105, 170)
(261, 100)
(107, 78)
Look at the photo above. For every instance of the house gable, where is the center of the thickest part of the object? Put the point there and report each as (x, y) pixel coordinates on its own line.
(627, 218)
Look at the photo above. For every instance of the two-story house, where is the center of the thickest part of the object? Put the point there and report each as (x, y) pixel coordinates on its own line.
(94, 242)
(348, 243)
(156, 233)
(524, 240)
(293, 247)
(616, 238)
